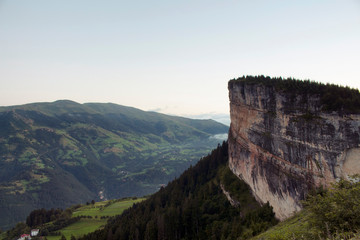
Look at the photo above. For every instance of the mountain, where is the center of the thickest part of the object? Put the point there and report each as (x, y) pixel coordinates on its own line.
(63, 153)
(206, 202)
(289, 136)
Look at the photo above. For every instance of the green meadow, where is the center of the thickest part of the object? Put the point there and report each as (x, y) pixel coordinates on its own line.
(96, 216)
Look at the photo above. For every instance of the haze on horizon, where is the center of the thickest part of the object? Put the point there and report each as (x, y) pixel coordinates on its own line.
(174, 57)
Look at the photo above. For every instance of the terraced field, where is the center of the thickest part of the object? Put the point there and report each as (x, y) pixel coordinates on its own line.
(95, 217)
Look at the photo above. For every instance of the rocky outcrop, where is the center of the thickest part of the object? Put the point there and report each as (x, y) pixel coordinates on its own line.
(283, 145)
(233, 202)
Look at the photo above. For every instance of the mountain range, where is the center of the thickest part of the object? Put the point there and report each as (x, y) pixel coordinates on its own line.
(62, 153)
(291, 144)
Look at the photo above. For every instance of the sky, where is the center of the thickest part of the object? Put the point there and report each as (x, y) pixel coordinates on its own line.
(174, 57)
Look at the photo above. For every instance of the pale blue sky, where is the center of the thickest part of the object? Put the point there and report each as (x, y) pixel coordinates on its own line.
(172, 56)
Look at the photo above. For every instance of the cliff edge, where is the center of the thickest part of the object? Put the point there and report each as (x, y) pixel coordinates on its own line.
(288, 136)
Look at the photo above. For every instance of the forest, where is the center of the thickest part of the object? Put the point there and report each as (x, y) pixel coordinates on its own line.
(194, 206)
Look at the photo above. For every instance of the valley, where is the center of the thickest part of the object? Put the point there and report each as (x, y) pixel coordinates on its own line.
(64, 153)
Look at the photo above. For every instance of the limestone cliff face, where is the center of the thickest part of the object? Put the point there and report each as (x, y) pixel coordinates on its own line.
(282, 145)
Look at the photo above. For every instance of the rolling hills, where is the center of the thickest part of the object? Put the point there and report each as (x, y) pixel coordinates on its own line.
(63, 153)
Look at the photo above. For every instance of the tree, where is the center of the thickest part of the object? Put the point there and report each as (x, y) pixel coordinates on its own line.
(63, 237)
(45, 232)
(19, 229)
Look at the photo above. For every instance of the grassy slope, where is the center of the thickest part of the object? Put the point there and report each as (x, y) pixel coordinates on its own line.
(296, 227)
(96, 211)
(80, 228)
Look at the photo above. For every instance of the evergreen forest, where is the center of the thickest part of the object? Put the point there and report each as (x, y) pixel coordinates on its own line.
(194, 206)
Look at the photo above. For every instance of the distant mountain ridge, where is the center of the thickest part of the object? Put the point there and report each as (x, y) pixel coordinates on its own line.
(61, 153)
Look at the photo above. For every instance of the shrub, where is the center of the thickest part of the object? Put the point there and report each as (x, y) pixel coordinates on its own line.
(337, 210)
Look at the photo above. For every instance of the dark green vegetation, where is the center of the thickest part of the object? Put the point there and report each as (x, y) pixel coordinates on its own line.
(63, 153)
(332, 97)
(194, 206)
(72, 222)
(328, 214)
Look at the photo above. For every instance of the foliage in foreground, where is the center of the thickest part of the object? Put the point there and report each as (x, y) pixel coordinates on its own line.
(336, 211)
(194, 207)
(328, 214)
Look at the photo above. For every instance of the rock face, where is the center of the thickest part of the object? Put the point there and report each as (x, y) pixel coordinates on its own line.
(283, 145)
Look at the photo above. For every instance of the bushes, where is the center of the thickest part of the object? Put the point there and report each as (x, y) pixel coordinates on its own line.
(331, 214)
(337, 210)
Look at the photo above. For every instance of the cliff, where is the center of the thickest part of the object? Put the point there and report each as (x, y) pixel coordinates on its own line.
(283, 141)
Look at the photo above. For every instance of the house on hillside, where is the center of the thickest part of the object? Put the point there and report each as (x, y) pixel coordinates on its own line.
(34, 232)
(24, 237)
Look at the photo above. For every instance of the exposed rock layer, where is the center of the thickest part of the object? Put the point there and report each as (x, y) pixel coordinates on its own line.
(282, 145)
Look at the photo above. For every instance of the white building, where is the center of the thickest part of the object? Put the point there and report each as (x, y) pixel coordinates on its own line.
(34, 232)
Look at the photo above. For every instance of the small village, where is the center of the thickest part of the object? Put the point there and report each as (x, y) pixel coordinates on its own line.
(33, 233)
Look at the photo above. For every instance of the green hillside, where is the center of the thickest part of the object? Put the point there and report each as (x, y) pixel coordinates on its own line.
(63, 153)
(194, 206)
(76, 221)
(99, 214)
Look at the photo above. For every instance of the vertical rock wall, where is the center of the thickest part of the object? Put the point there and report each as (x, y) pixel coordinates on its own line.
(282, 145)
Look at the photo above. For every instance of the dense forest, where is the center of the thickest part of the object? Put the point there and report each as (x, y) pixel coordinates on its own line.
(194, 206)
(332, 97)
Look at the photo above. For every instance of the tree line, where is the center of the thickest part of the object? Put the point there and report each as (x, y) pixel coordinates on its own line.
(333, 97)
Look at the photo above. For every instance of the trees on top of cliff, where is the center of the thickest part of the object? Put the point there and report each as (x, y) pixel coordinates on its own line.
(332, 97)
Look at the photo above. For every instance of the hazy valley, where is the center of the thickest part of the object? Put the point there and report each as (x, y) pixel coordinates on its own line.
(63, 153)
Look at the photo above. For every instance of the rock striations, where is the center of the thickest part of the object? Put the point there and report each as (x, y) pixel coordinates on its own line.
(282, 142)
